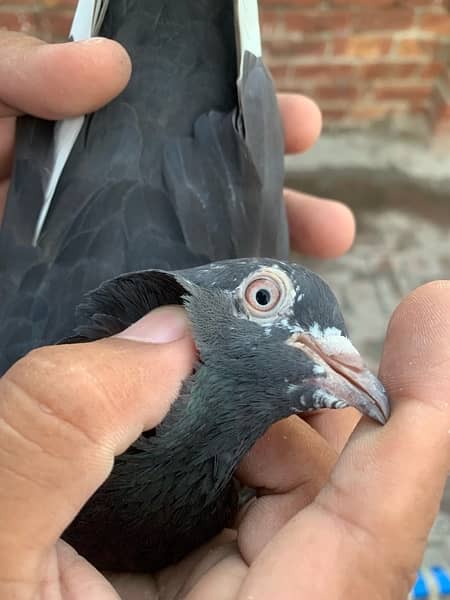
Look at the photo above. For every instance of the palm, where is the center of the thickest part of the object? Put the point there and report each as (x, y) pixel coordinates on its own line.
(217, 566)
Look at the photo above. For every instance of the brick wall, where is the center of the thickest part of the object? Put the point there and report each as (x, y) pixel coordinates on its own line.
(364, 61)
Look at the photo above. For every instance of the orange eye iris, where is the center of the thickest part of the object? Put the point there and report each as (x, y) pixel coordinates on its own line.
(263, 295)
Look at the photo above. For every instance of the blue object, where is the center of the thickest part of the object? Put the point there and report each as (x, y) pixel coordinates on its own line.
(420, 589)
(443, 579)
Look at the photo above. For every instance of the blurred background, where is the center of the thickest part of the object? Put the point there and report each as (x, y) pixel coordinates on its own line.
(380, 71)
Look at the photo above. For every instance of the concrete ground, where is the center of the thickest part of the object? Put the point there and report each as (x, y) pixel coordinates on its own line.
(400, 193)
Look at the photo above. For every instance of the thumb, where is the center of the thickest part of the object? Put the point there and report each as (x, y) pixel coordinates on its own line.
(65, 412)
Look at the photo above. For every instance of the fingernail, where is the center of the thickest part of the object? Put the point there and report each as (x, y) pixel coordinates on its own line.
(161, 326)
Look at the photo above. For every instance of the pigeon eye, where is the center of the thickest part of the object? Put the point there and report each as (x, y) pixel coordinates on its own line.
(263, 295)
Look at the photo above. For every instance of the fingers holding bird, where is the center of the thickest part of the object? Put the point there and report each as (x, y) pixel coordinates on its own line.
(318, 226)
(302, 121)
(377, 501)
(288, 467)
(55, 82)
(384, 491)
(56, 453)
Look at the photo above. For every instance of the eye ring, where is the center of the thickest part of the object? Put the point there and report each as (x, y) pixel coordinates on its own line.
(262, 295)
(266, 294)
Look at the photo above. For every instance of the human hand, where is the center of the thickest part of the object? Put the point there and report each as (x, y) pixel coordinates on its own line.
(55, 81)
(364, 533)
(65, 412)
(356, 525)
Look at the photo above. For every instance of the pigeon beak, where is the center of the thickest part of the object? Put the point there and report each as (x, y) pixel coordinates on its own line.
(343, 377)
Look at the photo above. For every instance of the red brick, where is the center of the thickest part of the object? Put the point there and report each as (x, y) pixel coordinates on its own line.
(319, 22)
(301, 3)
(9, 20)
(435, 23)
(365, 47)
(55, 24)
(23, 21)
(326, 71)
(370, 112)
(410, 92)
(59, 3)
(332, 115)
(364, 3)
(389, 70)
(383, 20)
(432, 70)
(336, 92)
(286, 48)
(416, 47)
(381, 3)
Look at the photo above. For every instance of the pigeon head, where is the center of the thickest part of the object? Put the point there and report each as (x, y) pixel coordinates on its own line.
(269, 334)
(280, 325)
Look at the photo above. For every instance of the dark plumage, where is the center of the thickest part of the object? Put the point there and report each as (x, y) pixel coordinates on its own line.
(183, 169)
(174, 488)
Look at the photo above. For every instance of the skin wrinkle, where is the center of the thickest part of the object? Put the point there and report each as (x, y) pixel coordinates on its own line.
(39, 477)
(105, 393)
(21, 434)
(216, 557)
(229, 568)
(29, 59)
(34, 363)
(17, 589)
(69, 566)
(360, 532)
(170, 587)
(42, 482)
(71, 560)
(348, 528)
(7, 111)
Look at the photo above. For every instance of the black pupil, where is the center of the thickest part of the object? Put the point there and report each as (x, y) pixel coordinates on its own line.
(263, 297)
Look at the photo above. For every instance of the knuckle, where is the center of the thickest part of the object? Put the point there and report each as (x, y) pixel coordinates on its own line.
(48, 388)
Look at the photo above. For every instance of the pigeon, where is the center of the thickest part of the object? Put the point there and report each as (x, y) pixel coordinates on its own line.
(172, 194)
(272, 343)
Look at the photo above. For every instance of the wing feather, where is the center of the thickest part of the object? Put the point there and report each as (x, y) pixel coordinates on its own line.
(88, 19)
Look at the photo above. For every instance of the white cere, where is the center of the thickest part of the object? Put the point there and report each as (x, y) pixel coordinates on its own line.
(316, 331)
(332, 340)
